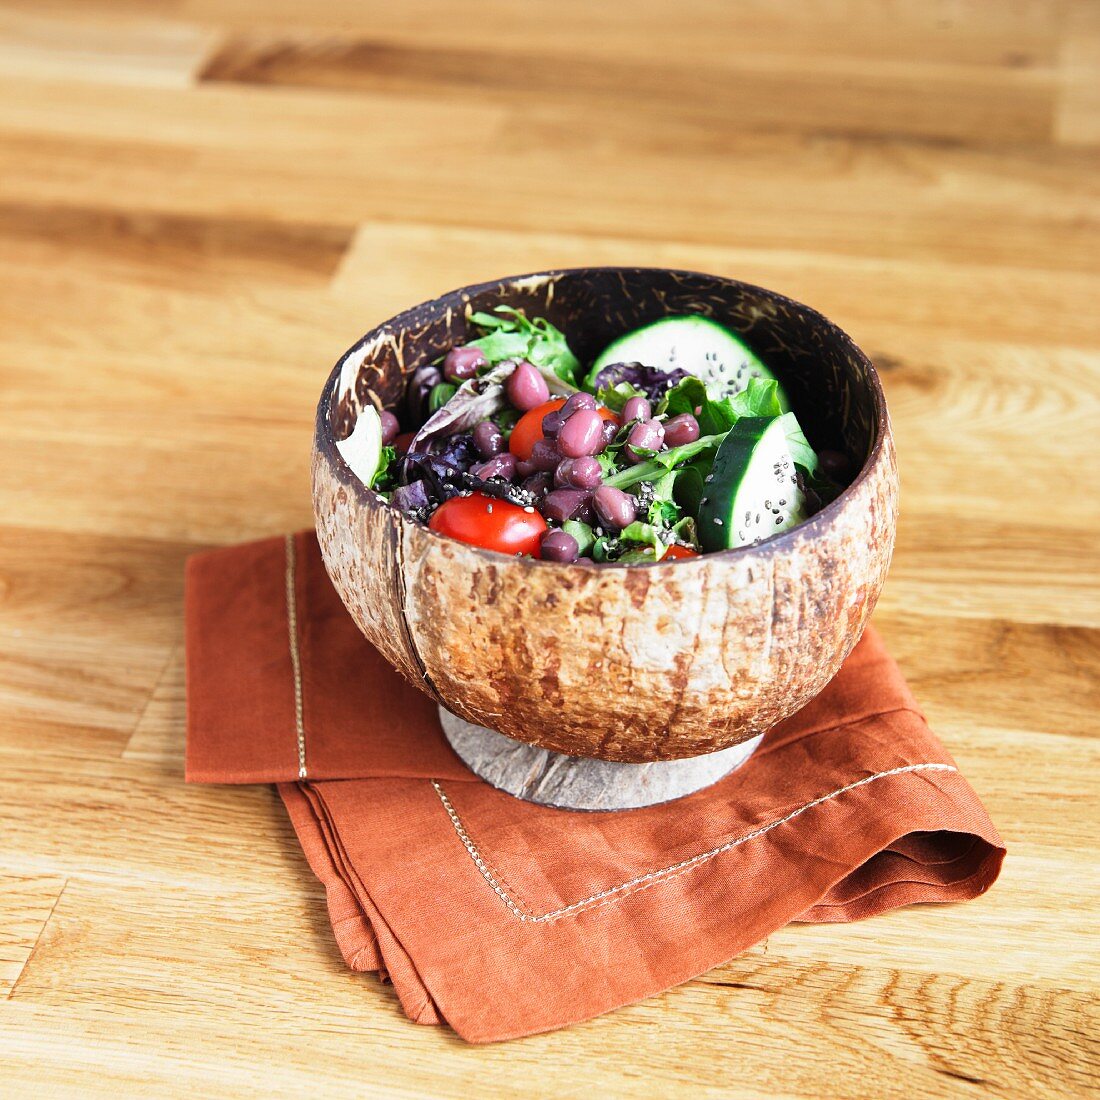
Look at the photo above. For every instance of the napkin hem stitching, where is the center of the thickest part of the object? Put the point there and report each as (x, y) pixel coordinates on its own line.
(295, 654)
(663, 874)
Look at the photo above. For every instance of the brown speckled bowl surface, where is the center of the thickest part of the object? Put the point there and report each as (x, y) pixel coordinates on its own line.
(631, 663)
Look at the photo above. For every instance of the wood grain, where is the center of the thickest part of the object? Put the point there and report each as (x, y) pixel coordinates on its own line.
(203, 203)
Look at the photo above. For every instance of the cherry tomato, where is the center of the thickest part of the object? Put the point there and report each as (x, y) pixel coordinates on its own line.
(528, 430)
(492, 524)
(677, 551)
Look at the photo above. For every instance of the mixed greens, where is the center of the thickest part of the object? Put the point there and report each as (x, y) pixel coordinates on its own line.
(677, 440)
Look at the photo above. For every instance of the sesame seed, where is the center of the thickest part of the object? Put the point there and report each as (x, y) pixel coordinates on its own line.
(529, 508)
(703, 500)
(489, 508)
(718, 521)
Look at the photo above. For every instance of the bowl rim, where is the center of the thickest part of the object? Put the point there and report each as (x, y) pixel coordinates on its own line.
(325, 441)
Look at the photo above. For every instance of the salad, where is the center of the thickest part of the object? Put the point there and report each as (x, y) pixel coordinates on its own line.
(675, 441)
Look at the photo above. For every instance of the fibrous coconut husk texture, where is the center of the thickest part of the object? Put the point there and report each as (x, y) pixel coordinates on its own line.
(630, 663)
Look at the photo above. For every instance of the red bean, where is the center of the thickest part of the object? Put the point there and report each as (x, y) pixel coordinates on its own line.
(462, 363)
(525, 468)
(563, 504)
(488, 439)
(636, 408)
(390, 427)
(559, 546)
(681, 429)
(581, 434)
(610, 430)
(539, 484)
(646, 435)
(502, 465)
(613, 507)
(527, 389)
(575, 401)
(579, 473)
(551, 424)
(585, 473)
(545, 455)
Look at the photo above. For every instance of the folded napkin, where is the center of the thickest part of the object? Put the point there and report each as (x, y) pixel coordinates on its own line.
(503, 918)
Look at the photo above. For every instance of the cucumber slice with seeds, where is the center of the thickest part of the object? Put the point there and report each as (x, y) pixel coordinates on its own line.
(752, 491)
(702, 347)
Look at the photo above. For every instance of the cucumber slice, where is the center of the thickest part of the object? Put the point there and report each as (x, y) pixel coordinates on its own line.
(752, 492)
(362, 450)
(702, 347)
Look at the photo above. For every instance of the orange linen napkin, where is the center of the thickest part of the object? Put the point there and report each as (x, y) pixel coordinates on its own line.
(504, 918)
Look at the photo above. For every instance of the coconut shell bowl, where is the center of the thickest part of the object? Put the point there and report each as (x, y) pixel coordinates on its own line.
(610, 686)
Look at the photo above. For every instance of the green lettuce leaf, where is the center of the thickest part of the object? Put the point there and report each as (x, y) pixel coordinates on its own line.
(509, 334)
(610, 548)
(690, 394)
(801, 451)
(657, 466)
(759, 398)
(615, 397)
(582, 532)
(647, 535)
(383, 478)
(686, 531)
(663, 513)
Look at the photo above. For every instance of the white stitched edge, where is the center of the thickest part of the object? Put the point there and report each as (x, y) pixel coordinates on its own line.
(653, 878)
(295, 657)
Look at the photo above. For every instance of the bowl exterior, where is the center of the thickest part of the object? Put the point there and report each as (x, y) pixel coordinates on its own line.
(631, 663)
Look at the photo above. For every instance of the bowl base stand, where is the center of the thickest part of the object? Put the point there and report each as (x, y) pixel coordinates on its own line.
(578, 782)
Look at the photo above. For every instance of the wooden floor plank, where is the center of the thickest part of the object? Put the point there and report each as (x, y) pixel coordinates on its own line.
(96, 946)
(1009, 104)
(26, 904)
(1077, 120)
(243, 152)
(972, 34)
(203, 203)
(137, 50)
(167, 250)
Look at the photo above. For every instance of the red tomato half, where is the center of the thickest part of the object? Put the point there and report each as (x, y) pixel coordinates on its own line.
(492, 524)
(528, 430)
(675, 551)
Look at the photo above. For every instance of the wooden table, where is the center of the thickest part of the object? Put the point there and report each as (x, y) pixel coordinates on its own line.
(202, 203)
